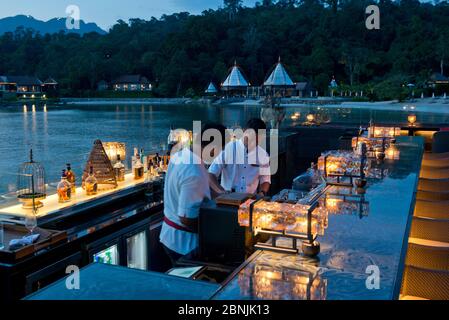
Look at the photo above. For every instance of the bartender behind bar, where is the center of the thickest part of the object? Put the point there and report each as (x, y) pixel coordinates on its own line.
(244, 166)
(186, 187)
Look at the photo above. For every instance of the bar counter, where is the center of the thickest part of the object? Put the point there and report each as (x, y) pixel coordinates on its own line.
(79, 199)
(122, 221)
(352, 248)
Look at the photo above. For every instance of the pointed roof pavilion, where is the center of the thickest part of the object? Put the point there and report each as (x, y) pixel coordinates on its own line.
(211, 88)
(333, 83)
(235, 79)
(279, 77)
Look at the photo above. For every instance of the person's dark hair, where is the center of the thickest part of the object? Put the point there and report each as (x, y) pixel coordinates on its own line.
(217, 126)
(256, 124)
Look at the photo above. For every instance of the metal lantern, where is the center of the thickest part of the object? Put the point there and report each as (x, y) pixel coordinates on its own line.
(31, 184)
(114, 149)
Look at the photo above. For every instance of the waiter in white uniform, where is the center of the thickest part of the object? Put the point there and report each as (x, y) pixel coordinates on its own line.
(186, 187)
(243, 165)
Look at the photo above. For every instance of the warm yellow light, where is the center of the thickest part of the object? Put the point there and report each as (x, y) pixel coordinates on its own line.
(114, 149)
(411, 119)
(392, 153)
(332, 204)
(310, 117)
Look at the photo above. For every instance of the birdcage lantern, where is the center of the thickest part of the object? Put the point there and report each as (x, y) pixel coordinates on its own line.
(31, 184)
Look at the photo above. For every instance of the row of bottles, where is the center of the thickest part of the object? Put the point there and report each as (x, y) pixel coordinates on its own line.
(141, 166)
(67, 186)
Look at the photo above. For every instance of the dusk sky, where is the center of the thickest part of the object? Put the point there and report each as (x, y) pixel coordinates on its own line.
(106, 12)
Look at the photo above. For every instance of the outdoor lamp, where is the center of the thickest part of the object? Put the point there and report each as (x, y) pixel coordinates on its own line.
(310, 117)
(115, 149)
(411, 119)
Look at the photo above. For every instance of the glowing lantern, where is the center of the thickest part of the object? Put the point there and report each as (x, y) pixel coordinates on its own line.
(115, 149)
(411, 119)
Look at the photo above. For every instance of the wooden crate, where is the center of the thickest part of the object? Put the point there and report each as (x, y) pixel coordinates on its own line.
(47, 239)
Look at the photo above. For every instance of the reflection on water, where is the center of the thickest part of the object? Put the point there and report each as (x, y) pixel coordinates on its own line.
(62, 134)
(259, 281)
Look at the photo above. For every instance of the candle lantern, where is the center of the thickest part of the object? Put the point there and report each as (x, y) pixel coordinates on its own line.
(115, 149)
(310, 118)
(303, 220)
(345, 203)
(31, 188)
(392, 153)
(411, 120)
(180, 136)
(339, 166)
(383, 132)
(276, 283)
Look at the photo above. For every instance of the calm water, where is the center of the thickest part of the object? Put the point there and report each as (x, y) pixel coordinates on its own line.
(59, 135)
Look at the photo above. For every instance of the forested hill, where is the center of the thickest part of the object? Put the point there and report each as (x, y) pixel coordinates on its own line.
(315, 39)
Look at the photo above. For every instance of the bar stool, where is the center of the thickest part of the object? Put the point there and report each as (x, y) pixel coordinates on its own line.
(432, 196)
(424, 284)
(428, 254)
(440, 142)
(430, 229)
(433, 185)
(426, 274)
(435, 164)
(434, 173)
(436, 156)
(432, 209)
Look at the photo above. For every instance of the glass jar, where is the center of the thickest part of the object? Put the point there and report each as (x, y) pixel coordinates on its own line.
(138, 169)
(91, 183)
(119, 170)
(64, 189)
(71, 178)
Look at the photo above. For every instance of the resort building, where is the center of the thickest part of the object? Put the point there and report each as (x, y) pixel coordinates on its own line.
(23, 85)
(279, 82)
(102, 85)
(439, 83)
(131, 83)
(304, 89)
(235, 83)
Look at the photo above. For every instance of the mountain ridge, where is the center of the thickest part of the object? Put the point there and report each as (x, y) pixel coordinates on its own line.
(54, 25)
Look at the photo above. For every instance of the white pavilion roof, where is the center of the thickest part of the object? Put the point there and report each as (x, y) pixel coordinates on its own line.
(235, 78)
(279, 77)
(211, 88)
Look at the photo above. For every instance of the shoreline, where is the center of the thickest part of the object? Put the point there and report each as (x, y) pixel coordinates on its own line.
(431, 105)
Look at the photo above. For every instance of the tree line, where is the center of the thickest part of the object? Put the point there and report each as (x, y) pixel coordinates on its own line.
(181, 53)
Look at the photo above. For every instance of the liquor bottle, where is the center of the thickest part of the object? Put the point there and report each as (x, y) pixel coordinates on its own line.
(138, 169)
(157, 160)
(71, 178)
(119, 170)
(150, 168)
(144, 159)
(91, 183)
(134, 158)
(64, 189)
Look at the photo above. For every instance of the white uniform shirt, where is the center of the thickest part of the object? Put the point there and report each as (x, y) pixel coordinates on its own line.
(186, 186)
(240, 170)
